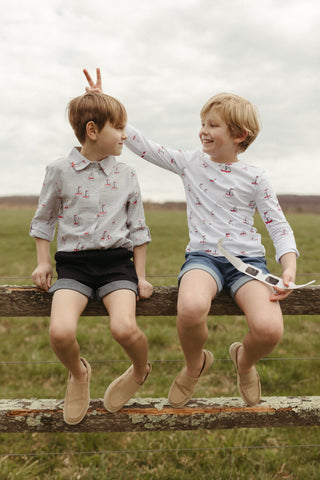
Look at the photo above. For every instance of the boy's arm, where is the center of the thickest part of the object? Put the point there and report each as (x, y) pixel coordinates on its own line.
(274, 219)
(170, 159)
(42, 274)
(139, 258)
(289, 267)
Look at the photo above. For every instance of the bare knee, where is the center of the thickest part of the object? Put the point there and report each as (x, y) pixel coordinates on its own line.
(125, 331)
(264, 317)
(192, 312)
(61, 337)
(268, 331)
(196, 291)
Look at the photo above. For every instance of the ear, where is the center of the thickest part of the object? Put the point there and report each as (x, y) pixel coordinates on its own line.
(91, 130)
(241, 138)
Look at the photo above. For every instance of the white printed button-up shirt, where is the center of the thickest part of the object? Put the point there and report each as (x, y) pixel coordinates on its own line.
(96, 205)
(221, 200)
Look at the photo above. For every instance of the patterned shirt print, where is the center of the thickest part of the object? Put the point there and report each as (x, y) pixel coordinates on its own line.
(221, 200)
(96, 205)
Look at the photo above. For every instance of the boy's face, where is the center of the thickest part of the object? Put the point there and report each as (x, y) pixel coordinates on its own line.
(216, 139)
(109, 140)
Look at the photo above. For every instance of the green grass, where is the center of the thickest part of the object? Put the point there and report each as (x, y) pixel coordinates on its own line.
(235, 454)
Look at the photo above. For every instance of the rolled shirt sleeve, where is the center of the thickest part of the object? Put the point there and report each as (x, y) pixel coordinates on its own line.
(46, 216)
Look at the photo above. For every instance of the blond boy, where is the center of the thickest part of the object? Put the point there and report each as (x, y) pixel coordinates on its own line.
(222, 194)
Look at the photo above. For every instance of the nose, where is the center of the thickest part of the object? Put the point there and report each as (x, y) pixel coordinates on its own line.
(203, 129)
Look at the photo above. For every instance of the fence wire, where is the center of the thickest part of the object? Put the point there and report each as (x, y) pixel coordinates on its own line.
(173, 275)
(161, 450)
(98, 362)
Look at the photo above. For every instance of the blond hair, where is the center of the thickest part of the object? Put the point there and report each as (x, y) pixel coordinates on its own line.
(239, 114)
(96, 107)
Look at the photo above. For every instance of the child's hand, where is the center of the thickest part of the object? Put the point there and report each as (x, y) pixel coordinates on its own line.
(280, 294)
(94, 87)
(145, 289)
(42, 276)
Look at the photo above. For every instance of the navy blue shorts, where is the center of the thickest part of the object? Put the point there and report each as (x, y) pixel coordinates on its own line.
(95, 272)
(223, 272)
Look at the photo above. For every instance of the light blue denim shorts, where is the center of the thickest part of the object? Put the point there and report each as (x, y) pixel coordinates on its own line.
(223, 272)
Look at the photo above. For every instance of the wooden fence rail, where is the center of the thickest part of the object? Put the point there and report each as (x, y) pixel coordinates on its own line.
(148, 414)
(25, 301)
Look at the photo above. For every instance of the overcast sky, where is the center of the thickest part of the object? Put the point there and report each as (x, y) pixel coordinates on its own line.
(163, 59)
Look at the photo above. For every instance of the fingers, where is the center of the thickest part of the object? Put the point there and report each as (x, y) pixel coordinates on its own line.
(43, 283)
(49, 278)
(40, 281)
(279, 295)
(145, 290)
(99, 82)
(93, 89)
(93, 86)
(42, 278)
(89, 79)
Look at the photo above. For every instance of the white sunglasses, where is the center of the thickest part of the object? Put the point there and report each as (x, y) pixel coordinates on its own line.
(255, 272)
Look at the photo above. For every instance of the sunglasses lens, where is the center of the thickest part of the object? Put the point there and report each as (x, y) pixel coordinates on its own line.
(252, 271)
(272, 280)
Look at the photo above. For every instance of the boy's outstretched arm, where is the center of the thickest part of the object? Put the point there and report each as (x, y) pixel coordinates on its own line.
(139, 257)
(169, 159)
(93, 87)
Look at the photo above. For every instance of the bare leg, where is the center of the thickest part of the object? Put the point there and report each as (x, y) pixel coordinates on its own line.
(121, 306)
(196, 292)
(67, 306)
(265, 323)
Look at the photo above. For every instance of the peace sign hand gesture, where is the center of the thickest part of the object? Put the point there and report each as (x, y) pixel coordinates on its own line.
(93, 87)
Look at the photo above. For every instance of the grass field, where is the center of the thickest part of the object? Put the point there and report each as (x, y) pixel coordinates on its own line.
(257, 454)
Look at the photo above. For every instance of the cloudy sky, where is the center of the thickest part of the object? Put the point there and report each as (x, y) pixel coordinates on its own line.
(163, 59)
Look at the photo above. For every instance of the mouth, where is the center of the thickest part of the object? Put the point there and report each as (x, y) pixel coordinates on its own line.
(206, 142)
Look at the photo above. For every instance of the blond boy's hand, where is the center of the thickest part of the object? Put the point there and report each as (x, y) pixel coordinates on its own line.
(145, 289)
(279, 294)
(42, 276)
(288, 276)
(93, 87)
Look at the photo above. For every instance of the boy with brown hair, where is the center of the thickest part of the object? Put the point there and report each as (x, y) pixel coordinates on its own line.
(96, 203)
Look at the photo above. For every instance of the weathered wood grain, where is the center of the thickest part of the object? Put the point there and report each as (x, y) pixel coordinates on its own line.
(26, 301)
(150, 414)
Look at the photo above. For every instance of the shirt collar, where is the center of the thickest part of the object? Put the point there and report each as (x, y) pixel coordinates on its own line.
(79, 162)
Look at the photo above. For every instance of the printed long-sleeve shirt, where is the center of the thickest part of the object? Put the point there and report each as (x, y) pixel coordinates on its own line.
(96, 205)
(221, 200)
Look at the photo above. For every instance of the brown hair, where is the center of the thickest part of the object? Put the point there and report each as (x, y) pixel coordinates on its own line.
(239, 114)
(96, 107)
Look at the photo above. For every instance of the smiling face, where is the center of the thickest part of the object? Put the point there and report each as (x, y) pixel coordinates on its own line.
(240, 115)
(216, 138)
